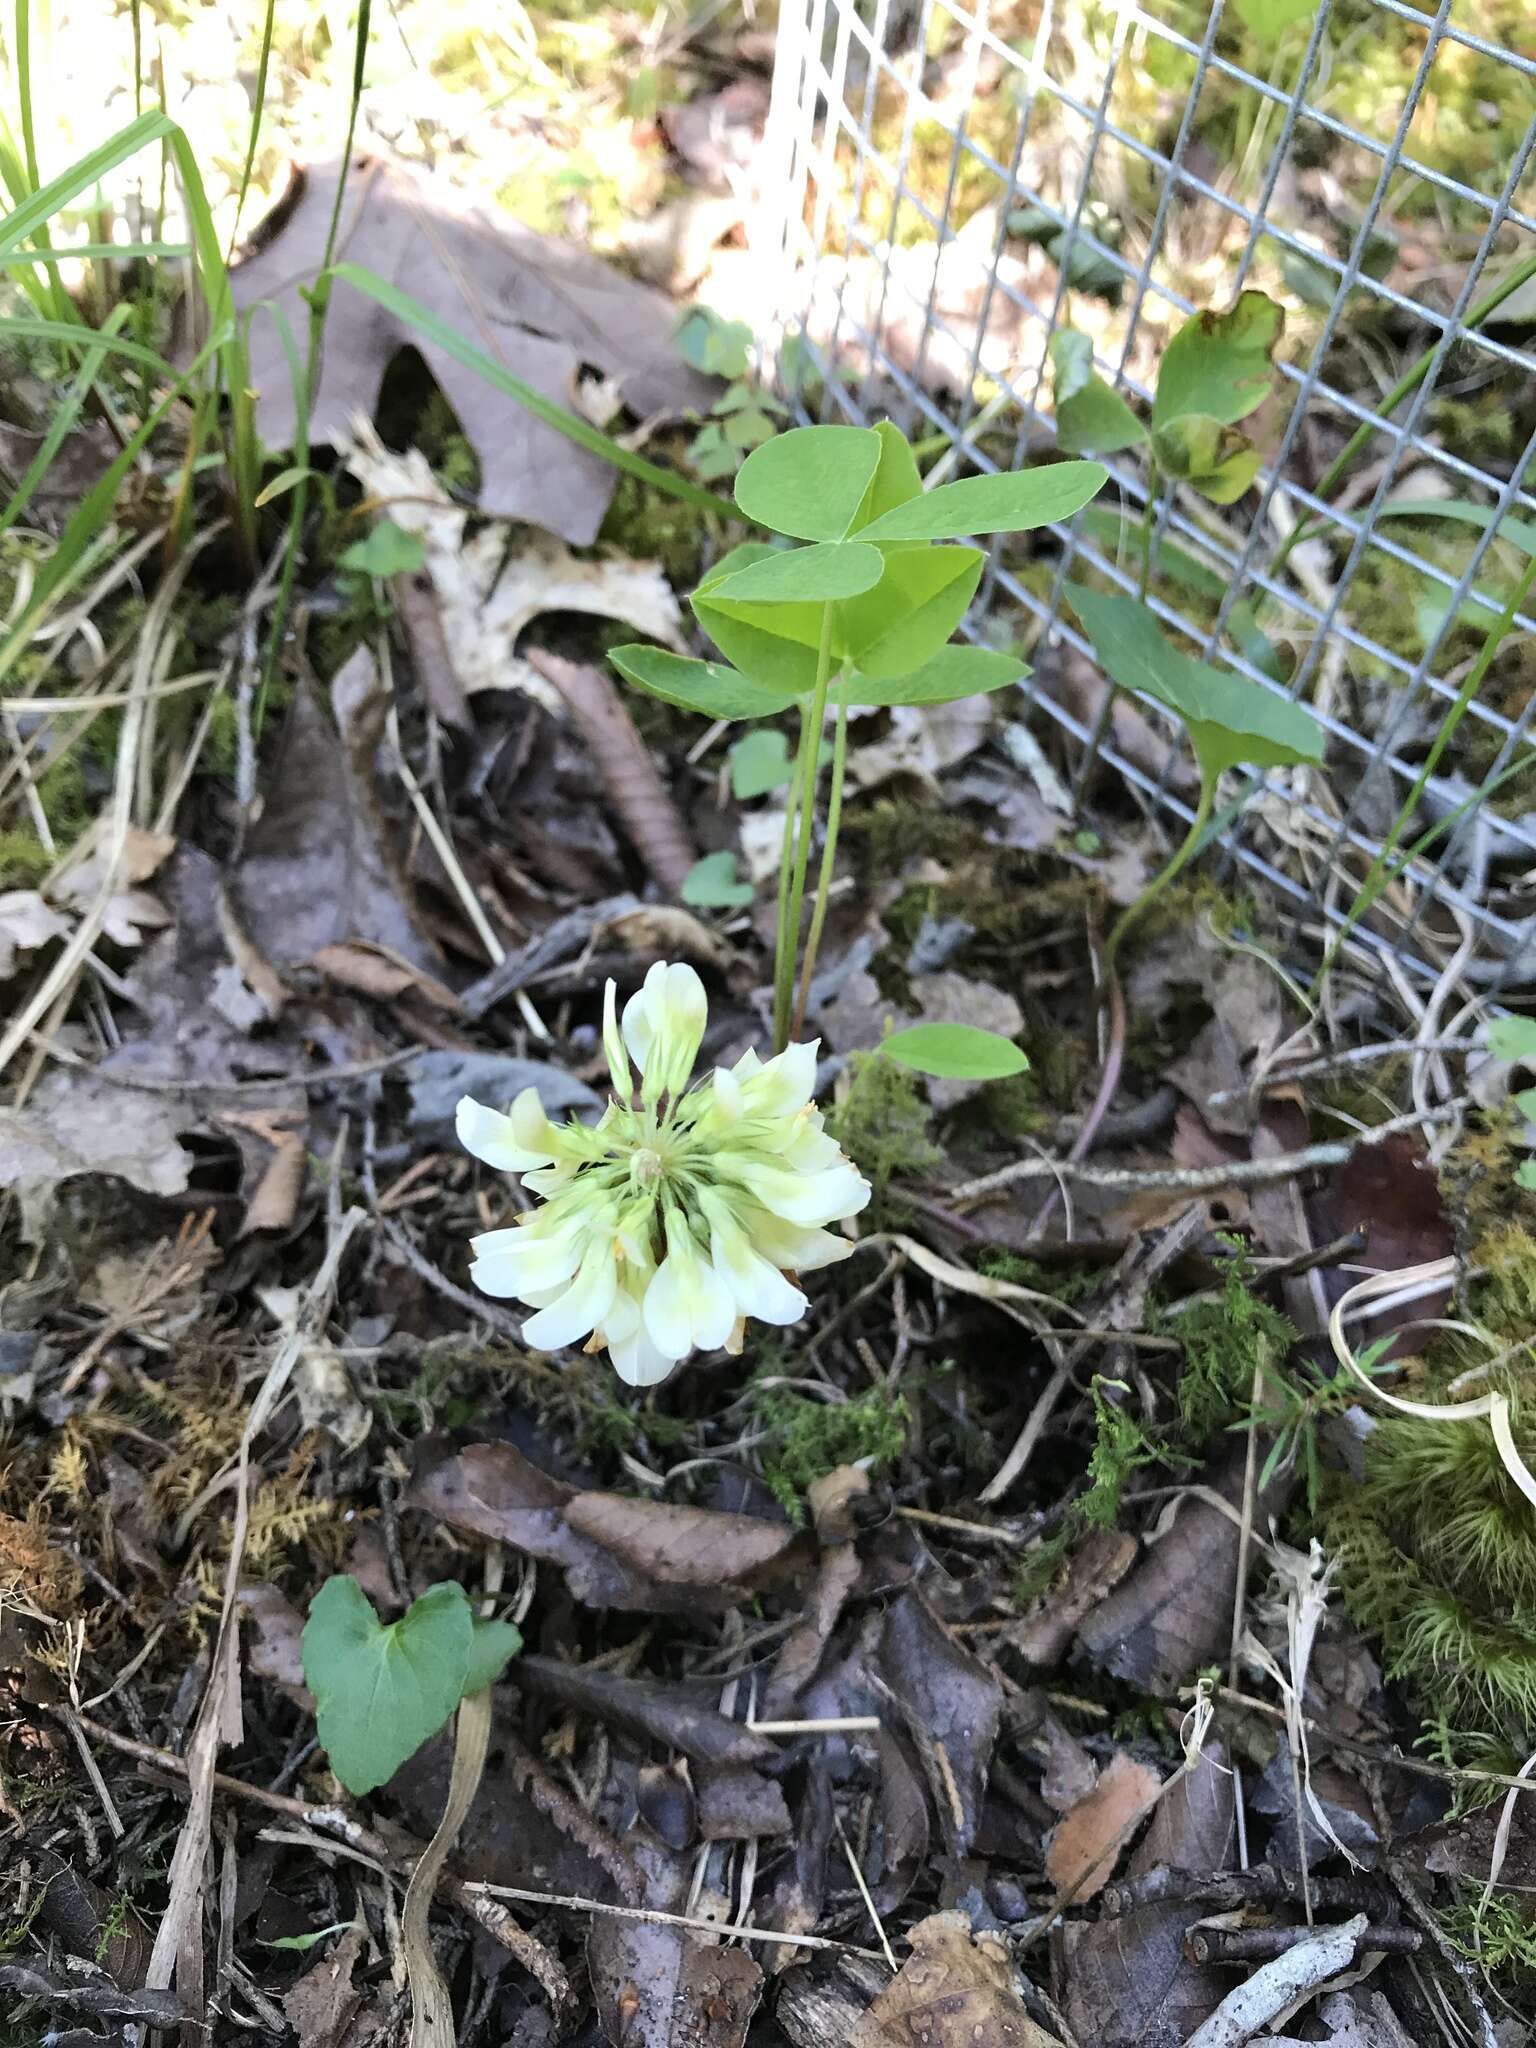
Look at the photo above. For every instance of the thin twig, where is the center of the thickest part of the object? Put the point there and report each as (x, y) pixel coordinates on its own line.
(1199, 1180)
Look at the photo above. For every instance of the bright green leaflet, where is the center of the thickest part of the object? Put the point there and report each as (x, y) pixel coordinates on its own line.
(491, 1647)
(1009, 502)
(958, 1052)
(1520, 533)
(1091, 417)
(1219, 364)
(910, 614)
(895, 481)
(952, 673)
(708, 687)
(815, 574)
(810, 482)
(1218, 461)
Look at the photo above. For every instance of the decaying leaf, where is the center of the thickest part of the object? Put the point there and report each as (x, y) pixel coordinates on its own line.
(1084, 1848)
(27, 921)
(953, 1704)
(319, 865)
(542, 308)
(325, 2008)
(639, 1555)
(954, 1991)
(438, 1078)
(487, 594)
(76, 1122)
(662, 1987)
(1098, 1564)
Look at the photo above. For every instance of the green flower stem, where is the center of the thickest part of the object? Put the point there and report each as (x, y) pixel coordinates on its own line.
(1378, 877)
(781, 939)
(828, 852)
(1146, 528)
(790, 906)
(1134, 912)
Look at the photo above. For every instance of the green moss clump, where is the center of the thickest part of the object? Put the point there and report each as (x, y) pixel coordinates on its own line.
(1226, 1338)
(812, 1438)
(1120, 1447)
(881, 1119)
(650, 524)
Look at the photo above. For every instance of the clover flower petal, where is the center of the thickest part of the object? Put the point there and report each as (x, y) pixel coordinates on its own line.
(682, 1211)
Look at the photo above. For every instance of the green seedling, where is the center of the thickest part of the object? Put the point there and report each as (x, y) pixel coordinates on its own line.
(1231, 722)
(381, 1692)
(860, 614)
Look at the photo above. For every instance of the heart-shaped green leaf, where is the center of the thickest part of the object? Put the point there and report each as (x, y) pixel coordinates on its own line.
(1219, 364)
(955, 1052)
(1219, 462)
(1230, 720)
(704, 686)
(491, 1647)
(1005, 503)
(810, 482)
(813, 575)
(711, 884)
(895, 480)
(759, 762)
(380, 1692)
(951, 673)
(1091, 417)
(912, 610)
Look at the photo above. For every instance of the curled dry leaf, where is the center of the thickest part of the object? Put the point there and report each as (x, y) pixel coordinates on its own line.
(641, 799)
(953, 1704)
(642, 1556)
(953, 1991)
(663, 1987)
(377, 971)
(75, 1122)
(1044, 1634)
(326, 2009)
(543, 308)
(1087, 1844)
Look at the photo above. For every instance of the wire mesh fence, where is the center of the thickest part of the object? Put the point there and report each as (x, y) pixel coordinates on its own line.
(959, 180)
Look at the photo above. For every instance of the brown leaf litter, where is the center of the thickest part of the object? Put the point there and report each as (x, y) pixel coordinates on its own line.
(543, 309)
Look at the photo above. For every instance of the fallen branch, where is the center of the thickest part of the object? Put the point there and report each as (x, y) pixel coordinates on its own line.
(1197, 1180)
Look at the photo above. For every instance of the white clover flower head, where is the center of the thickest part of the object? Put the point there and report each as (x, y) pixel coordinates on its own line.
(682, 1211)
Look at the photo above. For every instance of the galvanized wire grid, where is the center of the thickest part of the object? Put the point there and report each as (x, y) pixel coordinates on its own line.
(841, 60)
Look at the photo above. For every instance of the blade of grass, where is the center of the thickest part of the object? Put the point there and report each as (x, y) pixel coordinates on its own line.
(117, 252)
(23, 222)
(72, 334)
(65, 414)
(447, 338)
(258, 105)
(59, 299)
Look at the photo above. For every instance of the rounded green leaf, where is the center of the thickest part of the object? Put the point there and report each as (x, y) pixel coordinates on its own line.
(380, 1692)
(810, 482)
(711, 883)
(775, 645)
(951, 673)
(1219, 364)
(955, 1052)
(816, 574)
(1513, 1038)
(708, 687)
(896, 480)
(1006, 503)
(759, 762)
(490, 1647)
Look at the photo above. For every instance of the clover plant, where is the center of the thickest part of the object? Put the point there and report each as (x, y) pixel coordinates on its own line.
(858, 611)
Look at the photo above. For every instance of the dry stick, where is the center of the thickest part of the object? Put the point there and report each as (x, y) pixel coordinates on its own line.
(1199, 1180)
(654, 1918)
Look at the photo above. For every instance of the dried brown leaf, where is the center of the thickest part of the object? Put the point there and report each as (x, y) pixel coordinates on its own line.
(954, 1991)
(657, 1986)
(542, 307)
(377, 971)
(1085, 1846)
(27, 921)
(953, 1703)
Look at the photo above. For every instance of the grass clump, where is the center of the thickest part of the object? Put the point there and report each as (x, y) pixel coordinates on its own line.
(812, 1438)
